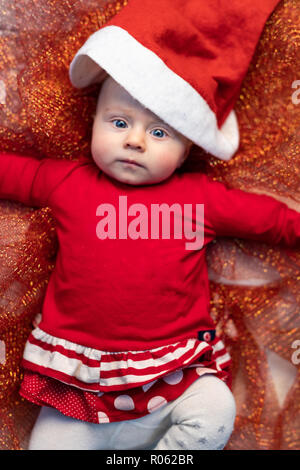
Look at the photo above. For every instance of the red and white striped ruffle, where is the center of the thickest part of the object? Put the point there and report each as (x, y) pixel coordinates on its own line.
(101, 371)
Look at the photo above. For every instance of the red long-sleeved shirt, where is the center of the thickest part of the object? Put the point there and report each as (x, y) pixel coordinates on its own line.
(131, 294)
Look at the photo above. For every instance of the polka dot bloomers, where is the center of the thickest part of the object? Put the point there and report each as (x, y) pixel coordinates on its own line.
(126, 401)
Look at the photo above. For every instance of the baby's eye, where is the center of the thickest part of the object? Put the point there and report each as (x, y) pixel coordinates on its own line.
(158, 133)
(119, 123)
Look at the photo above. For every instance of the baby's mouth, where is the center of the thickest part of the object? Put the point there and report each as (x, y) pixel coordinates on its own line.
(129, 161)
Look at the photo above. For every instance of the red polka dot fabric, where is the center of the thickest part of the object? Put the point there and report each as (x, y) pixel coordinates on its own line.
(105, 407)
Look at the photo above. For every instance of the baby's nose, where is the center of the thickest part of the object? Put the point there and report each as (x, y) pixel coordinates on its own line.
(135, 140)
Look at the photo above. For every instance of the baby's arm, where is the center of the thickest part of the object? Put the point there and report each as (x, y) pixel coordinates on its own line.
(29, 180)
(291, 203)
(232, 212)
(17, 175)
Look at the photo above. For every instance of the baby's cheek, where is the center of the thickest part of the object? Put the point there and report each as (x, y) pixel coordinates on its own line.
(99, 148)
(168, 162)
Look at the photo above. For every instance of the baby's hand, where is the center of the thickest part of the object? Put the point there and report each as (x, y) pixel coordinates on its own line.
(37, 320)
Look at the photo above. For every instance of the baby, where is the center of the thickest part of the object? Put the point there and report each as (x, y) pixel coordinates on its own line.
(126, 355)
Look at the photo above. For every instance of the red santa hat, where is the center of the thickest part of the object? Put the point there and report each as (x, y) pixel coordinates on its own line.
(182, 59)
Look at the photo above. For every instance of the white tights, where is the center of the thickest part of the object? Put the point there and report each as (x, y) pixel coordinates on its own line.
(201, 418)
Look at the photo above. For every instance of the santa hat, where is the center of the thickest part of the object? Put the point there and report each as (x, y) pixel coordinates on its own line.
(182, 59)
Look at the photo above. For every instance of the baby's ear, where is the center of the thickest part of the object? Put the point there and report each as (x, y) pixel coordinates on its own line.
(184, 157)
(187, 150)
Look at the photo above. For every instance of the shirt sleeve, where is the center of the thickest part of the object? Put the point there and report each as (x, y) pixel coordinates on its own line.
(236, 213)
(29, 180)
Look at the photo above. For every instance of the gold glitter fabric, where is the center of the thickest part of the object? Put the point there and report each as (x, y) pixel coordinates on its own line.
(254, 287)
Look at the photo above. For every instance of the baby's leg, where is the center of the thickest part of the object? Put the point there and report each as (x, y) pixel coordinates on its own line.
(202, 418)
(55, 431)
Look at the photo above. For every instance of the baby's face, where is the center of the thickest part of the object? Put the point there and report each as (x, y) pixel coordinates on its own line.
(130, 143)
